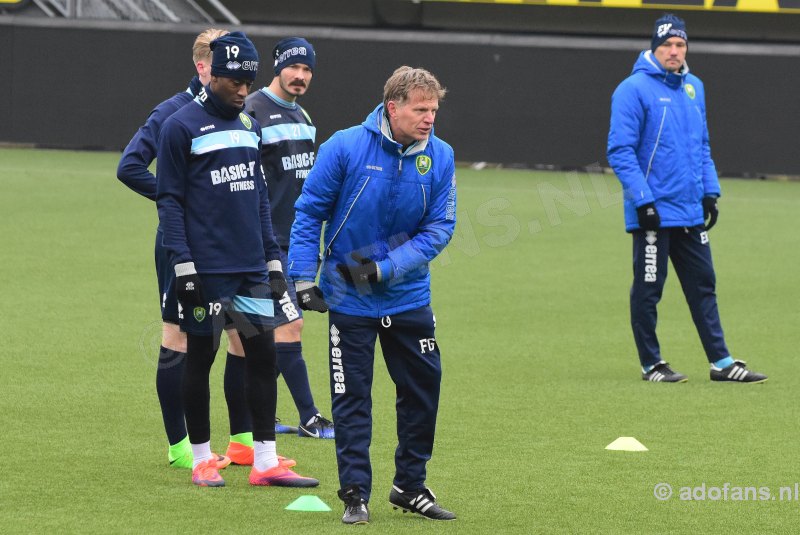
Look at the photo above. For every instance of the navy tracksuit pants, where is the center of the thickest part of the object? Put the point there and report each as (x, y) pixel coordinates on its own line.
(412, 358)
(691, 257)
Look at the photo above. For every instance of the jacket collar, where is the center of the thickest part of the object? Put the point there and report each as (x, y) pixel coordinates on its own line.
(650, 65)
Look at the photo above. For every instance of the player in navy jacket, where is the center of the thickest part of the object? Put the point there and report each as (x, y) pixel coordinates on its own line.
(659, 148)
(214, 211)
(287, 153)
(133, 171)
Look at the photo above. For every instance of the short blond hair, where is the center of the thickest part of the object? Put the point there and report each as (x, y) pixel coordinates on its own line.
(406, 79)
(202, 49)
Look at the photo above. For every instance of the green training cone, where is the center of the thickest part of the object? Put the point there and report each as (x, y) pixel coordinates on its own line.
(307, 503)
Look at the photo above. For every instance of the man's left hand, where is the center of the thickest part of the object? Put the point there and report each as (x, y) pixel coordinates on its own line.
(365, 271)
(277, 285)
(710, 211)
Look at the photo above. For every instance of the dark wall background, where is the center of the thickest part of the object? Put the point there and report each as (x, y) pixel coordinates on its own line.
(513, 99)
(486, 16)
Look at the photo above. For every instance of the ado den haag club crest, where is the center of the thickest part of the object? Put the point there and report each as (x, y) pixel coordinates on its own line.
(423, 164)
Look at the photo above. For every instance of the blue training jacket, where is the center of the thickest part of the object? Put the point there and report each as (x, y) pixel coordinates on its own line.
(658, 144)
(396, 208)
(141, 150)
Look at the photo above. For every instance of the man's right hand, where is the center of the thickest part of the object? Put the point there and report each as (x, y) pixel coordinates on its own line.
(188, 287)
(648, 217)
(310, 297)
(710, 211)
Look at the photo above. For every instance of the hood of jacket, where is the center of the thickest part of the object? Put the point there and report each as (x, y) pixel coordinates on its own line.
(648, 64)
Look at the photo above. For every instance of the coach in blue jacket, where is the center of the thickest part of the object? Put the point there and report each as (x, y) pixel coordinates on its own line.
(658, 147)
(386, 192)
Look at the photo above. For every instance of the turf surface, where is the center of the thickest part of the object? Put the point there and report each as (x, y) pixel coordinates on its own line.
(540, 372)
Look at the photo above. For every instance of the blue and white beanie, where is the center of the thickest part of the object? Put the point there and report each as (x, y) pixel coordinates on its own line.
(293, 50)
(666, 27)
(234, 56)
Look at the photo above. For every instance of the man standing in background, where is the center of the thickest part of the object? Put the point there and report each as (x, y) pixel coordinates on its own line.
(287, 154)
(658, 146)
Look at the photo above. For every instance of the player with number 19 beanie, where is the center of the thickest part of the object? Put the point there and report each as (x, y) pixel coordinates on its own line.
(234, 56)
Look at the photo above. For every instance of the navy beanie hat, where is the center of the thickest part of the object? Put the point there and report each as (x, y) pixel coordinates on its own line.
(666, 27)
(293, 50)
(234, 56)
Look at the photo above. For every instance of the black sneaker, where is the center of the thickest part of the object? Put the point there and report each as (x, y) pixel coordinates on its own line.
(320, 427)
(422, 502)
(737, 373)
(355, 508)
(662, 373)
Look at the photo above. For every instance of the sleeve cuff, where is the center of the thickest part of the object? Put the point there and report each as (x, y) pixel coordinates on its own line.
(385, 270)
(274, 265)
(186, 268)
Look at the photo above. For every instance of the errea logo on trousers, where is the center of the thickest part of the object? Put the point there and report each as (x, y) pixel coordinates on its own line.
(650, 257)
(337, 370)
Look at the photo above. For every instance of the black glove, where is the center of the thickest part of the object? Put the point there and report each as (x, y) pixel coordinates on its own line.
(648, 217)
(188, 287)
(365, 271)
(277, 285)
(710, 211)
(310, 297)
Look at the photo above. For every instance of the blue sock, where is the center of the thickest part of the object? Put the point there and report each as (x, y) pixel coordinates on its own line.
(723, 363)
(235, 396)
(293, 368)
(169, 378)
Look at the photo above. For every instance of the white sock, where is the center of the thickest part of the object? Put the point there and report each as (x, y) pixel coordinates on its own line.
(200, 452)
(265, 455)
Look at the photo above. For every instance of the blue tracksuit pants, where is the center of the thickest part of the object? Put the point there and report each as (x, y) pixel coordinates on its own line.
(690, 252)
(412, 358)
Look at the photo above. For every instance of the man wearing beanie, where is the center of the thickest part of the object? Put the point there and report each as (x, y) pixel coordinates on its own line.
(658, 146)
(133, 171)
(385, 192)
(287, 153)
(214, 212)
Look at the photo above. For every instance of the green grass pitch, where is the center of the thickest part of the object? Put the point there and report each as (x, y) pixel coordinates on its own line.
(540, 372)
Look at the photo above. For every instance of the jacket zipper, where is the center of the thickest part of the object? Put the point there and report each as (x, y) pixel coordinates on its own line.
(330, 243)
(658, 138)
